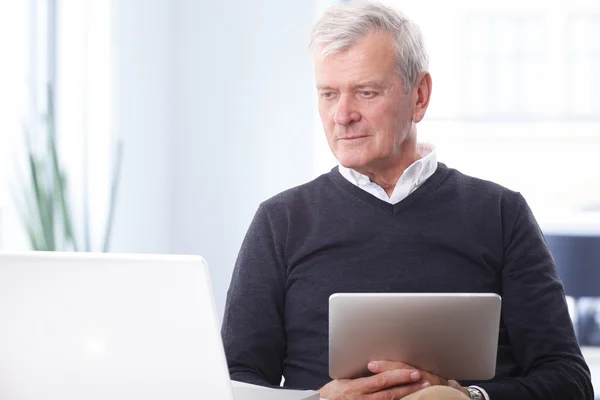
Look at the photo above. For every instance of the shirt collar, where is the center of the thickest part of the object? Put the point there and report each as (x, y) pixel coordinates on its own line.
(416, 173)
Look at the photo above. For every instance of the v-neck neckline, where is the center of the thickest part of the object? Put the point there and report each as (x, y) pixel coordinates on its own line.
(376, 202)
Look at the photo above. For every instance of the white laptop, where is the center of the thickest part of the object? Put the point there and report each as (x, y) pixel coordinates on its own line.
(98, 326)
(453, 335)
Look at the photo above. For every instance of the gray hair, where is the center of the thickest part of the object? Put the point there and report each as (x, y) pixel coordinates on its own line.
(342, 26)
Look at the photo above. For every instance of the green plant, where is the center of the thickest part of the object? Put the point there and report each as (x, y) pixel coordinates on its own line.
(42, 196)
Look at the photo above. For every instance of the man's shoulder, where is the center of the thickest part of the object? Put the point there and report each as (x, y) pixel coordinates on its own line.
(298, 195)
(474, 195)
(478, 186)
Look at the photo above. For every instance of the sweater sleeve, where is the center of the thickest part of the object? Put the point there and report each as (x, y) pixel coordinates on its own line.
(253, 325)
(537, 321)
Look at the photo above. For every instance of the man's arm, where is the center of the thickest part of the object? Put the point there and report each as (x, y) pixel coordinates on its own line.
(536, 317)
(253, 325)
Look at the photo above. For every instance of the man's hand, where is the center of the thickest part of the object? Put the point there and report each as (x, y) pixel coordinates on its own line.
(379, 367)
(393, 384)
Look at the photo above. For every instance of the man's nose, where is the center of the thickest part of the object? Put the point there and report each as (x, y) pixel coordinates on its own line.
(345, 113)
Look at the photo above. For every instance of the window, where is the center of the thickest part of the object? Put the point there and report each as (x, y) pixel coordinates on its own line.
(501, 49)
(73, 56)
(84, 113)
(583, 65)
(17, 31)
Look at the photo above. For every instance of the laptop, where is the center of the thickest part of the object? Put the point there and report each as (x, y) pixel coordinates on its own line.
(452, 335)
(104, 326)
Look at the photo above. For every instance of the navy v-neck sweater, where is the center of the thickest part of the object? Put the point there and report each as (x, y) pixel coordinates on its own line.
(455, 233)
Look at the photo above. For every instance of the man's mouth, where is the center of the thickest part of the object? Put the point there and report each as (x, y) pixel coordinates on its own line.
(352, 137)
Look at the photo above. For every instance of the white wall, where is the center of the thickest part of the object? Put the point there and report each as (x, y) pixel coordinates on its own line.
(216, 104)
(141, 116)
(242, 130)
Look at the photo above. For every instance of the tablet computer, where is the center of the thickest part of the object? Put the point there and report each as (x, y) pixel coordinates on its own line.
(452, 335)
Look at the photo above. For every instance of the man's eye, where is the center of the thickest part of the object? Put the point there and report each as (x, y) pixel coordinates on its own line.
(327, 95)
(367, 93)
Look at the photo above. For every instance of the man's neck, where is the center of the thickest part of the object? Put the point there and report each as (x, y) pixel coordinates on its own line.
(387, 176)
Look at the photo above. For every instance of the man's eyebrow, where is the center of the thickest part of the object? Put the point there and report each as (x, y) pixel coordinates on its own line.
(359, 85)
(324, 87)
(372, 84)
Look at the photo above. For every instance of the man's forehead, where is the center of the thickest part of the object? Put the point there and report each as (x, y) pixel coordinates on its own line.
(340, 70)
(351, 57)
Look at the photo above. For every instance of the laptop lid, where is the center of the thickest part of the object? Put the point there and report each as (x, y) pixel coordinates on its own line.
(103, 326)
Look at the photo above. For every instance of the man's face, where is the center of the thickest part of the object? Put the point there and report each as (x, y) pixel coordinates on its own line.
(365, 113)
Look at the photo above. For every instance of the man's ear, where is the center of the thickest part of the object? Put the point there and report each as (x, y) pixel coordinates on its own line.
(422, 94)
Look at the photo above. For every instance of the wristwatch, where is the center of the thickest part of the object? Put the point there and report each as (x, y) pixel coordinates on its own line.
(475, 394)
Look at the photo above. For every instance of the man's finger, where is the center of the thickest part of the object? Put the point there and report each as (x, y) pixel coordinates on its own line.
(395, 392)
(385, 380)
(455, 385)
(381, 366)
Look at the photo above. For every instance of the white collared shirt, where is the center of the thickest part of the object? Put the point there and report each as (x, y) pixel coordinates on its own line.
(413, 177)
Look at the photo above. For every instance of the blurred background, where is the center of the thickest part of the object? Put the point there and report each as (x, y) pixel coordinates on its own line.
(173, 119)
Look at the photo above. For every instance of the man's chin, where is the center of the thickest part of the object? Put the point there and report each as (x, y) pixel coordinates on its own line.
(351, 163)
(356, 159)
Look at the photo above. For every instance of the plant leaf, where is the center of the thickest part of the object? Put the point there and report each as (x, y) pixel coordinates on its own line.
(61, 190)
(58, 175)
(39, 197)
(22, 207)
(113, 196)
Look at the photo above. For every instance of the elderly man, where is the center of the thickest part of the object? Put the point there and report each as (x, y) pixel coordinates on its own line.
(390, 218)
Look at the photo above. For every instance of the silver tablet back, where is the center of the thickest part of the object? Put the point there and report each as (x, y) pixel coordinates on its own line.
(452, 335)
